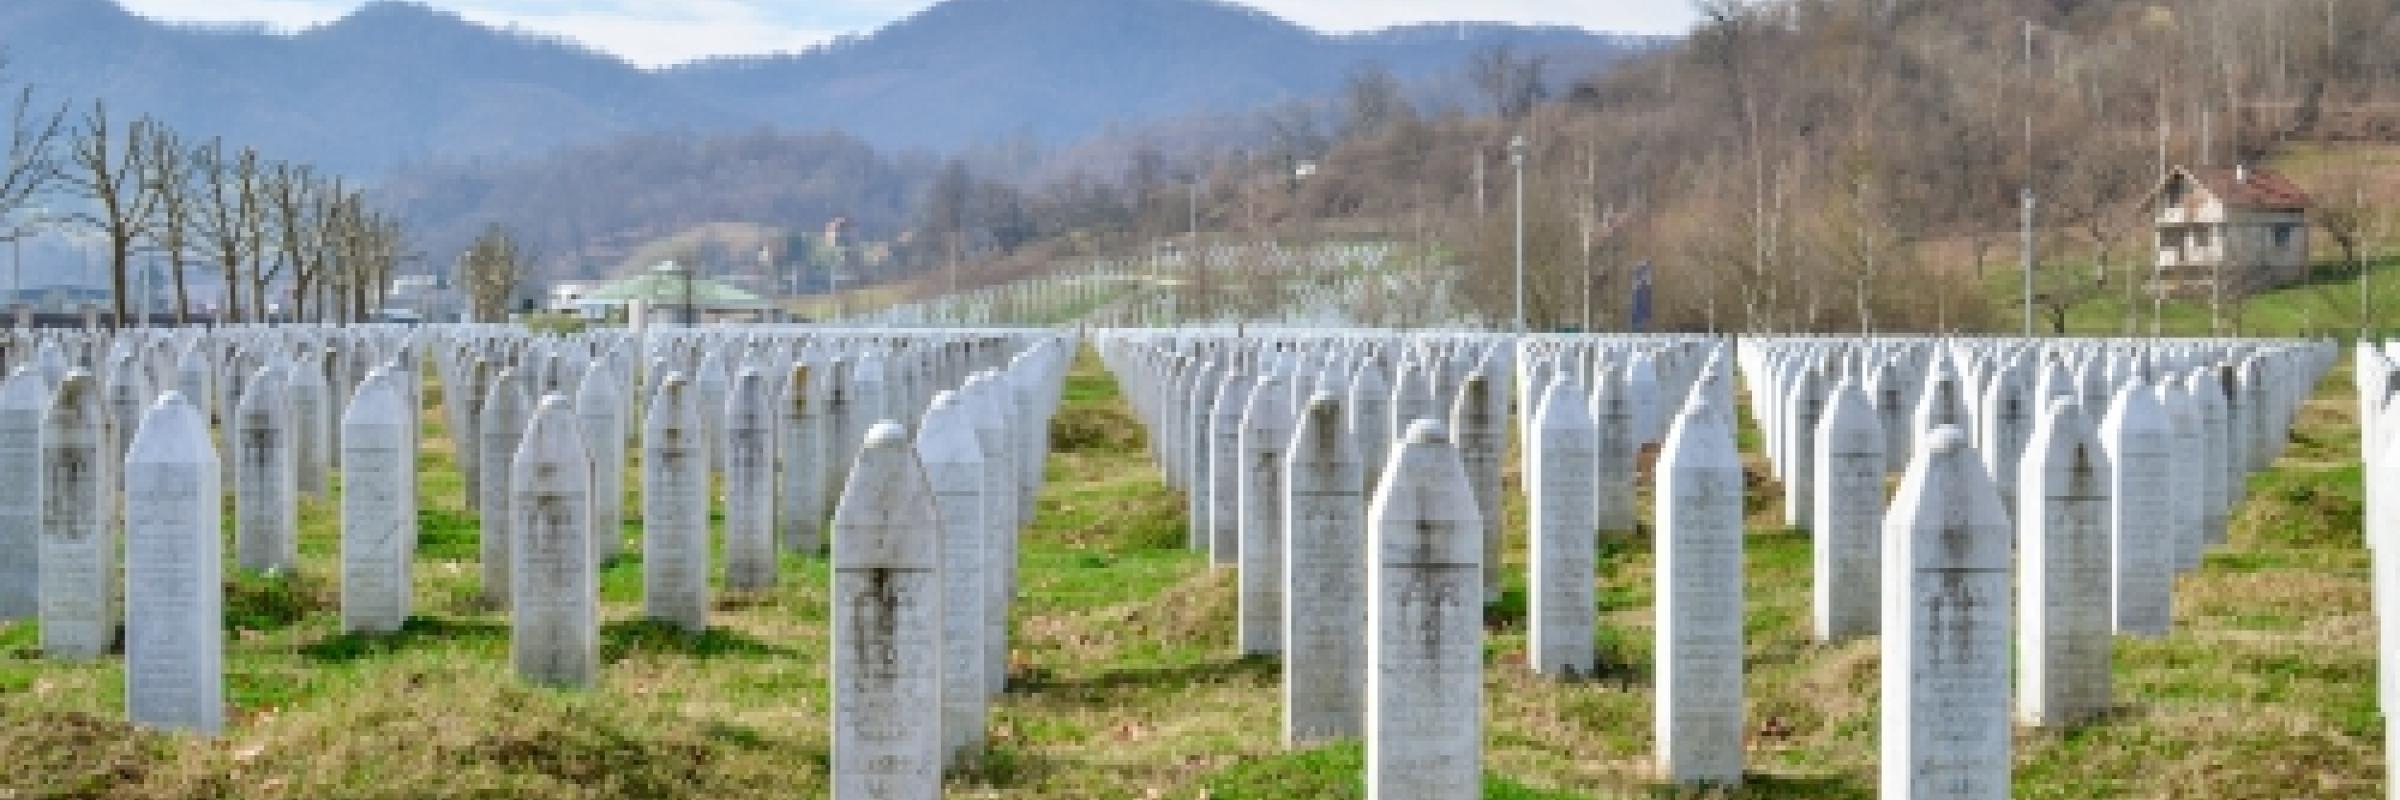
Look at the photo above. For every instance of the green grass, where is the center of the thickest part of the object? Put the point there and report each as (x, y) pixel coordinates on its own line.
(2325, 305)
(1126, 683)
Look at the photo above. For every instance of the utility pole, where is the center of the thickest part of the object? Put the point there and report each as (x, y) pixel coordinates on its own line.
(2026, 201)
(1516, 158)
(2026, 225)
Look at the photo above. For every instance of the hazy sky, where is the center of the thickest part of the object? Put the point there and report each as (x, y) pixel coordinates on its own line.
(657, 32)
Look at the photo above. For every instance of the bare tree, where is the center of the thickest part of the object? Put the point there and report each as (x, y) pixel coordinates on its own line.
(169, 173)
(494, 265)
(230, 214)
(33, 133)
(110, 172)
(290, 191)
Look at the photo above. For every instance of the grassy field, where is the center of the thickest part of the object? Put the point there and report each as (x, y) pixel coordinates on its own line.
(1126, 683)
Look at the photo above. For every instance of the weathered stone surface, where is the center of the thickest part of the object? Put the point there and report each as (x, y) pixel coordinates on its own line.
(1425, 665)
(1266, 431)
(1482, 437)
(1945, 630)
(2063, 625)
(78, 553)
(1848, 561)
(803, 449)
(500, 426)
(1563, 518)
(174, 583)
(2145, 528)
(953, 459)
(378, 479)
(675, 541)
(1615, 455)
(1699, 635)
(601, 410)
(554, 596)
(887, 645)
(1224, 469)
(266, 532)
(24, 398)
(749, 445)
(1325, 579)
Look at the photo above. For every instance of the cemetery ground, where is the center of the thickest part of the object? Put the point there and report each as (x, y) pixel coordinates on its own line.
(1125, 682)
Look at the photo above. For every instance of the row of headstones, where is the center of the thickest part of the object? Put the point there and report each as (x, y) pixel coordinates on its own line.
(1375, 607)
(2080, 475)
(89, 472)
(2173, 430)
(923, 548)
(1955, 634)
(378, 456)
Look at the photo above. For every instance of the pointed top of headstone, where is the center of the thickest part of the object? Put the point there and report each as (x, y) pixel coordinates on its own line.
(172, 433)
(886, 515)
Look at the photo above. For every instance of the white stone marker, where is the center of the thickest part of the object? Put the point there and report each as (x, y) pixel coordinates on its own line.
(1945, 630)
(887, 637)
(1564, 518)
(1197, 406)
(953, 459)
(378, 474)
(554, 612)
(601, 409)
(2142, 521)
(1425, 665)
(174, 573)
(1803, 408)
(479, 377)
(1000, 524)
(1224, 467)
(2063, 622)
(78, 553)
(1849, 506)
(266, 532)
(2188, 462)
(803, 449)
(749, 447)
(24, 398)
(1266, 431)
(1368, 410)
(1616, 453)
(1325, 579)
(1699, 544)
(675, 538)
(1482, 439)
(312, 417)
(500, 425)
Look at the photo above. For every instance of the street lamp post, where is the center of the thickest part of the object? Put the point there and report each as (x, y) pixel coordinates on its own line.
(1516, 158)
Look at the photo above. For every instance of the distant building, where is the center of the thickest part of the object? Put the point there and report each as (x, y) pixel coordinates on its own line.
(2243, 225)
(670, 292)
(566, 297)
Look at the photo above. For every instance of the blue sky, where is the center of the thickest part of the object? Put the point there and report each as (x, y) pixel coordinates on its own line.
(658, 32)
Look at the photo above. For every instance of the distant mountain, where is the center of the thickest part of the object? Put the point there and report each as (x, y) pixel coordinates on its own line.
(396, 83)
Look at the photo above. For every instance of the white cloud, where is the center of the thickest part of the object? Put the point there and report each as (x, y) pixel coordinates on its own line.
(660, 32)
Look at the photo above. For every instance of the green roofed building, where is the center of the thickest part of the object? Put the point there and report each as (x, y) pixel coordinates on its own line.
(667, 289)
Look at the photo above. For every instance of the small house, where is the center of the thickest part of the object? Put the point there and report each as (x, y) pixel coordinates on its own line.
(2243, 226)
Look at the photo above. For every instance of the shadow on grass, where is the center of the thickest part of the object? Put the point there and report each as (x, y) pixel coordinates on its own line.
(1778, 787)
(271, 602)
(417, 632)
(1096, 686)
(619, 640)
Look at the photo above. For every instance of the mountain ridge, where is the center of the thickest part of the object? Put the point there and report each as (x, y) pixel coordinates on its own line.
(396, 82)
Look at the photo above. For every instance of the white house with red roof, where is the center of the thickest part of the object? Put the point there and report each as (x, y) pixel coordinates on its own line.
(2242, 225)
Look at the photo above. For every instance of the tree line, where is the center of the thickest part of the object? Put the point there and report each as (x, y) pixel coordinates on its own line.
(285, 240)
(1793, 165)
